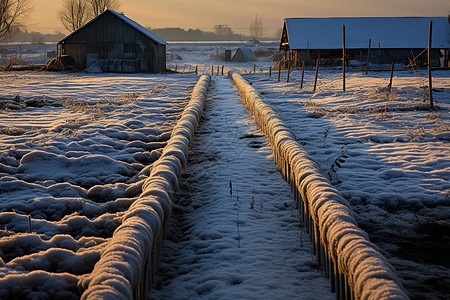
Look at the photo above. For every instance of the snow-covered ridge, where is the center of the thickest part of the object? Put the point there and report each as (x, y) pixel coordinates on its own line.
(353, 264)
(128, 264)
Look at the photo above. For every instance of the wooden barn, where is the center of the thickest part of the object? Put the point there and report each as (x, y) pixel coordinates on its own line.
(115, 43)
(398, 39)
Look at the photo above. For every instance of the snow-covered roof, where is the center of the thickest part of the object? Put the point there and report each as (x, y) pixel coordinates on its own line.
(127, 20)
(385, 32)
(244, 54)
(141, 28)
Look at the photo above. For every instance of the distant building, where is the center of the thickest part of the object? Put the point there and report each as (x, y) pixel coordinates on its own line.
(244, 54)
(116, 44)
(398, 39)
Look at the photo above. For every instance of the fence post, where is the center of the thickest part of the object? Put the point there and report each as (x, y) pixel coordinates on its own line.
(430, 84)
(270, 72)
(317, 72)
(368, 56)
(279, 71)
(289, 69)
(392, 73)
(343, 58)
(303, 74)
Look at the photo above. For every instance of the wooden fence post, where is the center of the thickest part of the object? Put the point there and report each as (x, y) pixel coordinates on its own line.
(317, 72)
(343, 58)
(289, 70)
(254, 68)
(430, 84)
(368, 56)
(392, 74)
(270, 72)
(196, 69)
(279, 71)
(303, 74)
(212, 70)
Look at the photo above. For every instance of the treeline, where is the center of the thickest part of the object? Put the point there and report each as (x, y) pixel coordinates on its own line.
(180, 34)
(34, 37)
(168, 34)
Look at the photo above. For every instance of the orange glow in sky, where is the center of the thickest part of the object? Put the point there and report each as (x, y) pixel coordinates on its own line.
(203, 14)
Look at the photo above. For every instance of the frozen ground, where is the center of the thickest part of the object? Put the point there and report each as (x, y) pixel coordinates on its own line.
(25, 53)
(396, 166)
(186, 56)
(249, 244)
(74, 151)
(74, 148)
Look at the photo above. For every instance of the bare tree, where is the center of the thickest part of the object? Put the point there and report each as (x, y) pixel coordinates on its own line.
(223, 30)
(11, 14)
(256, 28)
(99, 6)
(73, 14)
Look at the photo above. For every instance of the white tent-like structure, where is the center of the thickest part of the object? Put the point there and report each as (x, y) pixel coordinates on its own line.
(244, 54)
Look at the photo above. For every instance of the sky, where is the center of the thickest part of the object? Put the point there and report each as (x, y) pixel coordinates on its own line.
(238, 14)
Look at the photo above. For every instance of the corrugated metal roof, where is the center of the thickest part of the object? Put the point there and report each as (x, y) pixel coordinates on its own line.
(130, 22)
(385, 32)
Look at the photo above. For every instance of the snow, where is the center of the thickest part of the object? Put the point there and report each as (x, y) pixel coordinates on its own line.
(139, 27)
(136, 240)
(334, 224)
(88, 160)
(396, 172)
(219, 247)
(71, 171)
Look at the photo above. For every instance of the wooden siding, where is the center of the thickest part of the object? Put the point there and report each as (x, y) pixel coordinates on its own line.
(110, 40)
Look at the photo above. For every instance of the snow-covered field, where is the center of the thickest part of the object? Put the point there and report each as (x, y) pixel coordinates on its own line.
(26, 53)
(75, 150)
(76, 147)
(384, 150)
(387, 154)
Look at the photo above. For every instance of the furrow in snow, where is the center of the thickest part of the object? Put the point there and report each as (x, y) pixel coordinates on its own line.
(235, 233)
(345, 252)
(128, 263)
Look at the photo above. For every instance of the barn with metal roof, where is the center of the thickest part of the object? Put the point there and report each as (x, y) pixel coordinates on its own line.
(115, 43)
(397, 39)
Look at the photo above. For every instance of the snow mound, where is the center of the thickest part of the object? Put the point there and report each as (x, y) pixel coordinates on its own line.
(342, 248)
(128, 264)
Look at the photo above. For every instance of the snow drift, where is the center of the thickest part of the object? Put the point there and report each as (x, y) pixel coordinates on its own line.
(128, 264)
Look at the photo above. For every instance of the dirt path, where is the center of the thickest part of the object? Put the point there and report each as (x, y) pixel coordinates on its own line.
(248, 245)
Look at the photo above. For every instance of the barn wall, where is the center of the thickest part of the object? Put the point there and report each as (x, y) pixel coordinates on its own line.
(116, 46)
(77, 51)
(377, 56)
